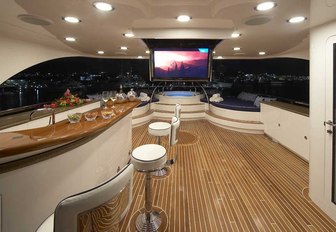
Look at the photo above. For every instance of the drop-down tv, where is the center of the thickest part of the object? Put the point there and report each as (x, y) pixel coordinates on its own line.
(180, 64)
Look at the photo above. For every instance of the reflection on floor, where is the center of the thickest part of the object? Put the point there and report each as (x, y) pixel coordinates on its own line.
(229, 181)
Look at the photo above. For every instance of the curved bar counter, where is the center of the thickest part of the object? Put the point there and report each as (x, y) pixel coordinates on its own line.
(60, 160)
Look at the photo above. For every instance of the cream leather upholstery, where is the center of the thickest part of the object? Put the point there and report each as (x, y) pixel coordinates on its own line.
(159, 128)
(177, 112)
(175, 124)
(149, 157)
(68, 211)
(163, 128)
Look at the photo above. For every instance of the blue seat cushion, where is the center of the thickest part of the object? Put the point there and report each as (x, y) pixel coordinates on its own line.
(236, 104)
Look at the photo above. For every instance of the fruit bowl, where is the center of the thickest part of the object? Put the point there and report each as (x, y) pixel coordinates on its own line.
(74, 117)
(107, 113)
(91, 116)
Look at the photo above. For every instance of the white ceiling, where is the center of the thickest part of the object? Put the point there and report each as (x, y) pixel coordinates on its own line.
(211, 19)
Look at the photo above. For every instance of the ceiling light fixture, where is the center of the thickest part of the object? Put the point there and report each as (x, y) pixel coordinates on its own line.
(71, 19)
(123, 48)
(140, 57)
(236, 49)
(262, 53)
(129, 34)
(183, 18)
(70, 39)
(103, 6)
(219, 57)
(235, 35)
(147, 51)
(264, 6)
(100, 52)
(297, 19)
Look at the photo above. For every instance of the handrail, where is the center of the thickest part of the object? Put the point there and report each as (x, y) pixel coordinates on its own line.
(21, 109)
(206, 95)
(150, 100)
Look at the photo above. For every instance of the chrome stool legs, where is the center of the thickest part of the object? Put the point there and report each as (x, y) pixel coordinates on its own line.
(148, 221)
(163, 171)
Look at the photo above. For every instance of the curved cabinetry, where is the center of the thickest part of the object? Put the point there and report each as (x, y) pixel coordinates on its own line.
(94, 153)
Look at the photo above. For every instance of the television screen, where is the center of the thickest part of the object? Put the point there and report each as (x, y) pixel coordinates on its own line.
(188, 64)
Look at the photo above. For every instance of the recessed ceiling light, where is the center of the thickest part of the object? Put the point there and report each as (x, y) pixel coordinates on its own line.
(235, 35)
(297, 19)
(183, 18)
(71, 19)
(214, 52)
(103, 6)
(123, 48)
(140, 57)
(70, 39)
(129, 34)
(265, 6)
(219, 57)
(35, 20)
(100, 52)
(236, 49)
(147, 51)
(262, 53)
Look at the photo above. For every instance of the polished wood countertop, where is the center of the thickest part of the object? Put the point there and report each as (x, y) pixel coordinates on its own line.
(61, 133)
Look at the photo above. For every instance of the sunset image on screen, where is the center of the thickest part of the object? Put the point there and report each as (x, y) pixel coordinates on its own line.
(191, 64)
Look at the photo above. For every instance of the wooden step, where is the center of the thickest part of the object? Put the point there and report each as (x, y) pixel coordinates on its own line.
(253, 127)
(232, 119)
(163, 114)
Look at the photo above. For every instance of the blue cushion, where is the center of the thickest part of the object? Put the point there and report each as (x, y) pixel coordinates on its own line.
(236, 104)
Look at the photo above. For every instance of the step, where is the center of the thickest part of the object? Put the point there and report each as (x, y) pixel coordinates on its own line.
(162, 114)
(142, 119)
(246, 126)
(184, 107)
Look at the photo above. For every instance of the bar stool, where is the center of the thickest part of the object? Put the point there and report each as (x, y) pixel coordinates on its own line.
(160, 129)
(173, 138)
(148, 158)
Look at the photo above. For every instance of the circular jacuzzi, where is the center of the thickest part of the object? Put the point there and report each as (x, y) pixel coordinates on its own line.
(182, 97)
(179, 94)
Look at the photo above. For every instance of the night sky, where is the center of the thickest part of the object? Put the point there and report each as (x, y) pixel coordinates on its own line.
(92, 65)
(278, 66)
(115, 67)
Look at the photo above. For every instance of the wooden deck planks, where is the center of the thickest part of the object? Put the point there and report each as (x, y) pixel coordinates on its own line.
(229, 181)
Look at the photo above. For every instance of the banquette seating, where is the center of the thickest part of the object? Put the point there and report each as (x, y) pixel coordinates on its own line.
(97, 209)
(243, 102)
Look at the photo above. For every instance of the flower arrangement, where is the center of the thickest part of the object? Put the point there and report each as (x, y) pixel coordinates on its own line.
(68, 99)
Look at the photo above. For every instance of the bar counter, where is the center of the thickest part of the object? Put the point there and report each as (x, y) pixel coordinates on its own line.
(60, 160)
(34, 140)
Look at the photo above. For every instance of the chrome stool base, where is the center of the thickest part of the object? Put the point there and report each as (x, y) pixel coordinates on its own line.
(161, 172)
(148, 225)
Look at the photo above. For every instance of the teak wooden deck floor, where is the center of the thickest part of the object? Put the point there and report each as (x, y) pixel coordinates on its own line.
(229, 181)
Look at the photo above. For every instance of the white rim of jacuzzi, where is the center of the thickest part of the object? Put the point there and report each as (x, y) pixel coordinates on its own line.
(179, 93)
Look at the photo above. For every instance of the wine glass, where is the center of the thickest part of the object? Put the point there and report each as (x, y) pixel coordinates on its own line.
(113, 97)
(105, 97)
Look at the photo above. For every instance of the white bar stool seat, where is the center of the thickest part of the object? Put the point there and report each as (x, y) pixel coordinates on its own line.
(149, 157)
(159, 129)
